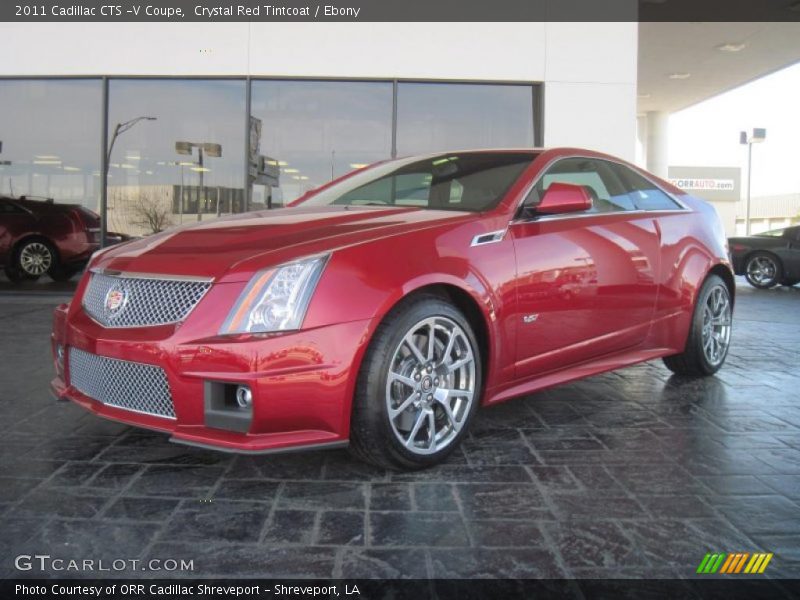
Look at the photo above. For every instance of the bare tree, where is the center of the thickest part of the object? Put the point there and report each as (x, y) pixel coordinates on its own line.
(151, 212)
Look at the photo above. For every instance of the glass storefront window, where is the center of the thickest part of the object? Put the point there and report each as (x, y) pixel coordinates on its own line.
(433, 117)
(180, 152)
(50, 135)
(314, 131)
(184, 162)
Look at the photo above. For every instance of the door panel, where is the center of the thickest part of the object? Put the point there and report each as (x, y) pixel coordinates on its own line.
(13, 222)
(791, 262)
(586, 286)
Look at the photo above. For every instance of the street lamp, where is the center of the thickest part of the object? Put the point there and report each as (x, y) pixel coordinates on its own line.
(204, 149)
(759, 135)
(119, 129)
(181, 164)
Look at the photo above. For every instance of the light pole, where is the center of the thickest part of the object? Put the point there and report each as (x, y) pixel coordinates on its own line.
(181, 164)
(119, 129)
(759, 135)
(204, 149)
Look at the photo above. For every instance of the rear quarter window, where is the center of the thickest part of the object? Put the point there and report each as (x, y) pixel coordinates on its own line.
(644, 194)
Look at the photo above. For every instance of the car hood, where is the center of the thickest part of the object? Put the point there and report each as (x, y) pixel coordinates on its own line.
(233, 248)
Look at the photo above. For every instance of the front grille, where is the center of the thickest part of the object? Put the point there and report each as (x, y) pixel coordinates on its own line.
(122, 301)
(120, 383)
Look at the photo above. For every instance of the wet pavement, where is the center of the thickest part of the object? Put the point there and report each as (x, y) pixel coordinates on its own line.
(635, 473)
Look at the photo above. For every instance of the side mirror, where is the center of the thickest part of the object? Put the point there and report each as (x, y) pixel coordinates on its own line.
(564, 198)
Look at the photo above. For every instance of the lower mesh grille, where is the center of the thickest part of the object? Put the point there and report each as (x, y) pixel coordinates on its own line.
(120, 383)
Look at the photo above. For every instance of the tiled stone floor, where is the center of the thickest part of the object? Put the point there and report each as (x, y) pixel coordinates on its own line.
(629, 474)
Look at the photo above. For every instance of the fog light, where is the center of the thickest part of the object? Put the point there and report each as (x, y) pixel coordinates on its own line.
(244, 397)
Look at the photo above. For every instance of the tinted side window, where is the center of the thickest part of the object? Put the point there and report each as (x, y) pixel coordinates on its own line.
(8, 208)
(607, 192)
(644, 194)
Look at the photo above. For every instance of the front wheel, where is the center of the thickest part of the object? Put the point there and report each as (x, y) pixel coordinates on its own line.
(710, 332)
(762, 270)
(418, 387)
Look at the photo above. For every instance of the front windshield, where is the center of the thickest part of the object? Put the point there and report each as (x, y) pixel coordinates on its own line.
(474, 181)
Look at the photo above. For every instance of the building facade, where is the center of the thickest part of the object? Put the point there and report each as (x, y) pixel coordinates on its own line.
(191, 108)
(769, 212)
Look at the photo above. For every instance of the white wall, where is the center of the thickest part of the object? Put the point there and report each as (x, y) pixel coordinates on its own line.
(589, 69)
(590, 86)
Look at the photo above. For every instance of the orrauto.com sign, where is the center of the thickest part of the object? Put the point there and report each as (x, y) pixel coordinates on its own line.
(693, 184)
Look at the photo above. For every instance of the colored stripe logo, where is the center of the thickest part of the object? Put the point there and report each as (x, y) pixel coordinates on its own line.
(731, 563)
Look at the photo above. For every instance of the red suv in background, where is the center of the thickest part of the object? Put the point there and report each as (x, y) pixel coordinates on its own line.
(38, 236)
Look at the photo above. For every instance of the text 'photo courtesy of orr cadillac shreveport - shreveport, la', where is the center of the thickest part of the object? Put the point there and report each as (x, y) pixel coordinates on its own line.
(382, 309)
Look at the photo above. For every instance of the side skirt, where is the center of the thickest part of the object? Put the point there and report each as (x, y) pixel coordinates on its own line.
(603, 364)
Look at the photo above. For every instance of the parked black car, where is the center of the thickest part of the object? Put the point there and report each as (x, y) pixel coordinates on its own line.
(768, 259)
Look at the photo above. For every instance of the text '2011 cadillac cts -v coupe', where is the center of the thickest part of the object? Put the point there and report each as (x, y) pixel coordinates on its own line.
(383, 309)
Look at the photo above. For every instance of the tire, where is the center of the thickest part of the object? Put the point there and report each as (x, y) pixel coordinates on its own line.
(63, 273)
(427, 385)
(710, 332)
(13, 275)
(33, 258)
(763, 270)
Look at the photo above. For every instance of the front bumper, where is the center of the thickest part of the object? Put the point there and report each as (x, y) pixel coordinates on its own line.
(302, 382)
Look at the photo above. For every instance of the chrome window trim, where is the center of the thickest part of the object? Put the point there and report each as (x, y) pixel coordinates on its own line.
(158, 276)
(515, 219)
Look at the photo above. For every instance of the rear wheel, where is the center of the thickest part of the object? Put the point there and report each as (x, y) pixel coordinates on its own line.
(763, 270)
(33, 259)
(710, 333)
(418, 388)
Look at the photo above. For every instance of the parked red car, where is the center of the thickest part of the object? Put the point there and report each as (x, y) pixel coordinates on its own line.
(40, 236)
(384, 308)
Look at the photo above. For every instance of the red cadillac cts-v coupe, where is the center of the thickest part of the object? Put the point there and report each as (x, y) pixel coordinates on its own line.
(383, 309)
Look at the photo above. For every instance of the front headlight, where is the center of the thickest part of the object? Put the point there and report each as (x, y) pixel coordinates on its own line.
(276, 299)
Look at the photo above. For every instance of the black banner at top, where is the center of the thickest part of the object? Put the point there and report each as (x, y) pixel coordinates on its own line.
(397, 10)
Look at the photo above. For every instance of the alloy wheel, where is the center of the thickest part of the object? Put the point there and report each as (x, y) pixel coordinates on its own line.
(430, 386)
(35, 259)
(762, 270)
(716, 325)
